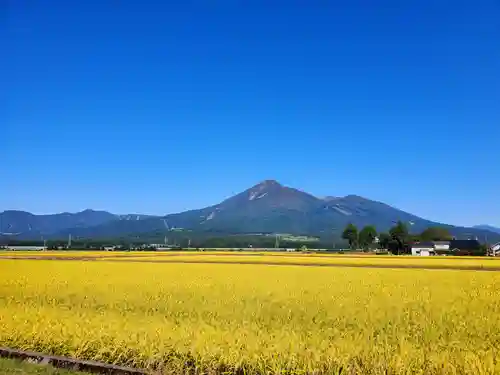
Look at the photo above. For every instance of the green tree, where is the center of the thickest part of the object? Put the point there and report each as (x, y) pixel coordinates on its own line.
(350, 234)
(399, 236)
(436, 234)
(366, 236)
(383, 240)
(413, 238)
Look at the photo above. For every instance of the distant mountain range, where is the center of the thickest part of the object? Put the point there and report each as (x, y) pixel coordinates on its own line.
(267, 207)
(488, 227)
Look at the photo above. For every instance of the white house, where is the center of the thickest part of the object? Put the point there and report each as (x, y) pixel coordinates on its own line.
(495, 249)
(442, 245)
(26, 248)
(423, 249)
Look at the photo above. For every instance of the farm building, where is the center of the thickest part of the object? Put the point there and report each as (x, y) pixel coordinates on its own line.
(25, 248)
(495, 250)
(457, 247)
(465, 245)
(423, 249)
(441, 245)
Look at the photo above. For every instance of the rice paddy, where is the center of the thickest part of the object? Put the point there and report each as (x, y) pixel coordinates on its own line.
(321, 260)
(271, 258)
(256, 318)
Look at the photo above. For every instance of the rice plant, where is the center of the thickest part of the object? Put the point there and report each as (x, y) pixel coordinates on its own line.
(254, 319)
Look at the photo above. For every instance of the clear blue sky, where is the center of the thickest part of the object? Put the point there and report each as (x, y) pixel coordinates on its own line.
(157, 107)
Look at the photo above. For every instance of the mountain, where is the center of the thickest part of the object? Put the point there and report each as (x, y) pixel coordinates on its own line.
(28, 225)
(488, 227)
(272, 207)
(22, 222)
(267, 207)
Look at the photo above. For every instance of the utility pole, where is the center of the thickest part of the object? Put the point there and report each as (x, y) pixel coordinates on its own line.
(69, 241)
(277, 242)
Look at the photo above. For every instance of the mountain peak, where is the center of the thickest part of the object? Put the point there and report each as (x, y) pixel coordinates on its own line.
(267, 207)
(329, 198)
(266, 186)
(355, 197)
(267, 183)
(263, 188)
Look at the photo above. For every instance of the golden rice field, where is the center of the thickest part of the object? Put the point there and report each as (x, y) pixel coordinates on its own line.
(255, 318)
(319, 260)
(252, 257)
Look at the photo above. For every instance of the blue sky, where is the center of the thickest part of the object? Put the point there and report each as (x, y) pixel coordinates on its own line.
(158, 107)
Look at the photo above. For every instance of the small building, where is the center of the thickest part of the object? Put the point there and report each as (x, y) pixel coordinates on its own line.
(162, 248)
(25, 248)
(465, 246)
(441, 245)
(423, 249)
(495, 250)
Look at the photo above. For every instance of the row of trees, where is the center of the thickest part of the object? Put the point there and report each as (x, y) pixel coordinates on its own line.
(359, 239)
(398, 240)
(235, 241)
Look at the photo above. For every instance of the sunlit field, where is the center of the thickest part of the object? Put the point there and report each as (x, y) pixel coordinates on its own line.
(254, 319)
(276, 258)
(326, 260)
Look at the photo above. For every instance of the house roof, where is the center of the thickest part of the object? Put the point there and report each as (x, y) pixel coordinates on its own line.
(423, 244)
(465, 244)
(441, 242)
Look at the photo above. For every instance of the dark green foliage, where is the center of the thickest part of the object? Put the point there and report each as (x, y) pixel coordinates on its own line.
(399, 238)
(367, 236)
(436, 234)
(196, 241)
(350, 234)
(383, 240)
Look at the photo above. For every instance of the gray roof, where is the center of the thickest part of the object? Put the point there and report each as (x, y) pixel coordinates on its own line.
(423, 244)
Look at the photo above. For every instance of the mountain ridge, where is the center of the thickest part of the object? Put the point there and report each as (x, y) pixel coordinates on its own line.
(267, 207)
(490, 228)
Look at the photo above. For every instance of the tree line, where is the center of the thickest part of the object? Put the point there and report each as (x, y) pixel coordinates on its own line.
(234, 242)
(397, 240)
